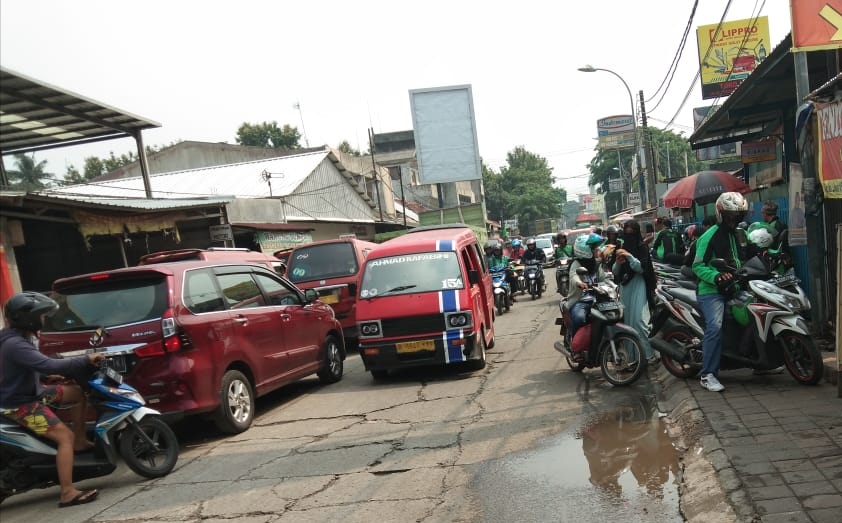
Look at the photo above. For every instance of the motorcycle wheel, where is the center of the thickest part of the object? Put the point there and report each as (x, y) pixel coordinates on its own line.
(629, 364)
(801, 357)
(498, 303)
(685, 369)
(149, 461)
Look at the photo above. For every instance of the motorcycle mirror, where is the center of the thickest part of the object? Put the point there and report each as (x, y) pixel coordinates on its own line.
(581, 271)
(718, 264)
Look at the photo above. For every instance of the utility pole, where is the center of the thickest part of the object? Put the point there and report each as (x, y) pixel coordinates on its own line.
(651, 197)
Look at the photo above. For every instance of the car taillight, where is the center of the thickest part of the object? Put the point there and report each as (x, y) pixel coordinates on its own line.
(169, 330)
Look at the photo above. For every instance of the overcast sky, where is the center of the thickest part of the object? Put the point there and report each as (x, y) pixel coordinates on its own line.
(201, 68)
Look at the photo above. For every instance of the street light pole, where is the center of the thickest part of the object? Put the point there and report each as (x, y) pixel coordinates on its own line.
(592, 69)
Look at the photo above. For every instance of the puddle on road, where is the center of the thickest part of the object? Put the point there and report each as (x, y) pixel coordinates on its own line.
(620, 463)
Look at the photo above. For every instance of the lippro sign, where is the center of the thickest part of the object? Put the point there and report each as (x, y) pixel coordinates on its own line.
(729, 52)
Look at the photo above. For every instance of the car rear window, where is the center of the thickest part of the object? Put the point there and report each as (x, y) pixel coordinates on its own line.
(319, 262)
(108, 303)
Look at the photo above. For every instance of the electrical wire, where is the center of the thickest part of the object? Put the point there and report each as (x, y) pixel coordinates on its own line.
(676, 58)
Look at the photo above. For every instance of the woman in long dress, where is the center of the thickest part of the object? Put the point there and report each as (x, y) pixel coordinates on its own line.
(632, 260)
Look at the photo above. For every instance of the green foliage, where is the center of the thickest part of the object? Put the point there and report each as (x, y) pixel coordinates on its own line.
(95, 166)
(522, 188)
(268, 134)
(28, 175)
(346, 148)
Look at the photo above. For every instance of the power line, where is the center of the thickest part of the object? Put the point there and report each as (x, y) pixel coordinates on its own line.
(676, 58)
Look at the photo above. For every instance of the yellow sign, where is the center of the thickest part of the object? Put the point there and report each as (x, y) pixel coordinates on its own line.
(729, 53)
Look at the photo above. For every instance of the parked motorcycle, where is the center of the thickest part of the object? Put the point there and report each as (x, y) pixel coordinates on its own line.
(502, 289)
(534, 279)
(562, 276)
(603, 341)
(123, 424)
(763, 327)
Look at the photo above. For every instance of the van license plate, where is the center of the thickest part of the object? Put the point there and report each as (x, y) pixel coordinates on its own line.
(117, 363)
(416, 346)
(329, 299)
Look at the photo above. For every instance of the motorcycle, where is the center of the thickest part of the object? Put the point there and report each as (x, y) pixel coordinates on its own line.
(763, 327)
(603, 341)
(501, 287)
(521, 277)
(123, 424)
(534, 279)
(562, 276)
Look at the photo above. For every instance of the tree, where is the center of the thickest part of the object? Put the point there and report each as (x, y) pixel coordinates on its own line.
(522, 188)
(95, 167)
(346, 148)
(268, 134)
(28, 175)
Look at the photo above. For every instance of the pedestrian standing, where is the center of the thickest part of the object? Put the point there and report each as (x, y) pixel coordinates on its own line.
(630, 272)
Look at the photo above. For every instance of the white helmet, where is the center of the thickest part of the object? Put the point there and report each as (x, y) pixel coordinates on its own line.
(731, 205)
(761, 238)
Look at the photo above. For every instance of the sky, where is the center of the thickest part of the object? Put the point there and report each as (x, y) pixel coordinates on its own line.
(202, 68)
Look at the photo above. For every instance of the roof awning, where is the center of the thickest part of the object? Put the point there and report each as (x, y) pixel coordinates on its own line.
(36, 116)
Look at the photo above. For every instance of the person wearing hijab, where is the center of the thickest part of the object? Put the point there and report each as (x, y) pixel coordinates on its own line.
(630, 272)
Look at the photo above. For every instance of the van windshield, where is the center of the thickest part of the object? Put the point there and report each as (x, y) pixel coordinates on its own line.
(411, 273)
(108, 304)
(320, 262)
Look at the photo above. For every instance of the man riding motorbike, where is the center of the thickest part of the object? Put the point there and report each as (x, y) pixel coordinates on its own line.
(562, 251)
(496, 259)
(534, 255)
(517, 249)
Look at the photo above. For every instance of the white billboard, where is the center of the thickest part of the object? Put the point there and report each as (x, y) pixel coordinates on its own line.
(445, 134)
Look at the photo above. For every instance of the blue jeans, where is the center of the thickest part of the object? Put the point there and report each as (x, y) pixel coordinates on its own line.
(713, 309)
(578, 316)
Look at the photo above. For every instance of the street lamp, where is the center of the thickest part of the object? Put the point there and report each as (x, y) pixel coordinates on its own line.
(592, 69)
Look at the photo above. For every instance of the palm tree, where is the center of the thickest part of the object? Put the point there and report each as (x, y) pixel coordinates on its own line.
(28, 175)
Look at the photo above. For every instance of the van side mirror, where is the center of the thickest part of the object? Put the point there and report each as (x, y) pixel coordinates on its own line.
(310, 295)
(473, 277)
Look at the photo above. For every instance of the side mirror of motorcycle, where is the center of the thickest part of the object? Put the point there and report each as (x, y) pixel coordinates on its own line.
(719, 264)
(581, 271)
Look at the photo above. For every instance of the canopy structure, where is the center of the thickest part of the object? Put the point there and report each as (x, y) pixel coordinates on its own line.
(35, 116)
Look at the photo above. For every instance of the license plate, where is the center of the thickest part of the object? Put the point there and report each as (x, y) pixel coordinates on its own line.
(415, 346)
(784, 280)
(117, 363)
(608, 306)
(329, 299)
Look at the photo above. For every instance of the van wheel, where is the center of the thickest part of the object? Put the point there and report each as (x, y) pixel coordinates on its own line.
(479, 363)
(379, 374)
(333, 367)
(236, 403)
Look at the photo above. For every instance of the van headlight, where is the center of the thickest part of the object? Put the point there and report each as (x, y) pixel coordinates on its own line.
(458, 320)
(370, 329)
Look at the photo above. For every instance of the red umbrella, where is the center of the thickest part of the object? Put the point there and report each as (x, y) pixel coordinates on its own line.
(702, 188)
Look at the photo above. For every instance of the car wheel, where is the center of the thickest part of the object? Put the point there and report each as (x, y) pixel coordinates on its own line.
(236, 403)
(333, 367)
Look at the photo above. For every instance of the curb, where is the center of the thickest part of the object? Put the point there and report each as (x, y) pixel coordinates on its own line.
(702, 457)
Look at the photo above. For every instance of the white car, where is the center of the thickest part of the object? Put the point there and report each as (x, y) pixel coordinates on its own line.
(547, 245)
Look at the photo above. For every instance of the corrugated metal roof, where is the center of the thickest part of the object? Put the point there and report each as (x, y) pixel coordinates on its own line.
(140, 204)
(254, 179)
(35, 115)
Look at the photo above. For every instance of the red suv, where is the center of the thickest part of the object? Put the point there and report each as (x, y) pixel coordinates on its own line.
(198, 336)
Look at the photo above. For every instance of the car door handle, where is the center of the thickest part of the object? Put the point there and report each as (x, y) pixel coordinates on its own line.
(285, 317)
(241, 319)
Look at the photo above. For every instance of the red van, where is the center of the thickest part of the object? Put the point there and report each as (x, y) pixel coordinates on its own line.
(425, 299)
(332, 268)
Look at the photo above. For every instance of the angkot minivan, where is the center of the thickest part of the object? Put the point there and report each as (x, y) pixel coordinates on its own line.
(425, 299)
(332, 268)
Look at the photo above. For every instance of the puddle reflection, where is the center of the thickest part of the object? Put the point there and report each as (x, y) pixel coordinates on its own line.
(620, 463)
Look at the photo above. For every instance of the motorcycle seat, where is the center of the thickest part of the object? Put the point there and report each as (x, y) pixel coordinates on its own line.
(686, 295)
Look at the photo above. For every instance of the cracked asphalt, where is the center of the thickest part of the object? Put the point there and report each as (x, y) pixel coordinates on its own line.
(404, 449)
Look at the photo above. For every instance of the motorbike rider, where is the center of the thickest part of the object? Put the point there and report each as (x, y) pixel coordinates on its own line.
(718, 241)
(517, 249)
(497, 259)
(26, 400)
(610, 245)
(535, 255)
(562, 250)
(584, 255)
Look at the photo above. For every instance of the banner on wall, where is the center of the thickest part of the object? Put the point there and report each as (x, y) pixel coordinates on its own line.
(816, 24)
(797, 223)
(729, 52)
(829, 157)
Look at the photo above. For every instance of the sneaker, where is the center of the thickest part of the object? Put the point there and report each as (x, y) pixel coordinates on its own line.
(768, 372)
(709, 382)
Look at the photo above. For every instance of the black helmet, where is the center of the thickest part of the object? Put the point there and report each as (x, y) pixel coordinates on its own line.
(612, 229)
(24, 309)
